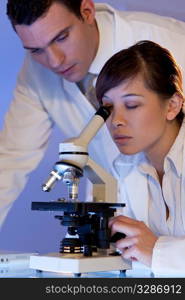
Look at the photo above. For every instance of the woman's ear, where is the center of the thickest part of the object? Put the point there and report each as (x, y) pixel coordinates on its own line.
(174, 106)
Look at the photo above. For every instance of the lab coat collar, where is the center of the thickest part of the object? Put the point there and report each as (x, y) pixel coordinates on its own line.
(72, 89)
(111, 27)
(175, 156)
(105, 23)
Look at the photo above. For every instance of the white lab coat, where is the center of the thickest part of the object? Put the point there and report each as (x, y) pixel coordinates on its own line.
(41, 99)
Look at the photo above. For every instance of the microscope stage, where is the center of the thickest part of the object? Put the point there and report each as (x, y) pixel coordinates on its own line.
(77, 263)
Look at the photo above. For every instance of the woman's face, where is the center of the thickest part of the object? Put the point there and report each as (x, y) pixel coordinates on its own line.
(139, 118)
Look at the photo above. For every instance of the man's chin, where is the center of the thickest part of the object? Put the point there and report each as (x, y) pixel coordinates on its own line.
(73, 78)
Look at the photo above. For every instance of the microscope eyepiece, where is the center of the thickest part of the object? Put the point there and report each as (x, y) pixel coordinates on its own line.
(104, 112)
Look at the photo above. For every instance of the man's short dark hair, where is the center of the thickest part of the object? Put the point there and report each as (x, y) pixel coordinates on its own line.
(26, 12)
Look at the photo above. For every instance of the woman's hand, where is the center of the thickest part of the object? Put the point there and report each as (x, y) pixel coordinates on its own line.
(139, 241)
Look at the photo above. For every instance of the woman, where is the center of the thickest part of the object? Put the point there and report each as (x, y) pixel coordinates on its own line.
(142, 85)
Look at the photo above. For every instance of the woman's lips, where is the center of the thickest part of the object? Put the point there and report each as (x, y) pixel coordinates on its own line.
(121, 139)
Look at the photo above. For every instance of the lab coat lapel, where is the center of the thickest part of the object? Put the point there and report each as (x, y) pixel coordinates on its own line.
(79, 100)
(81, 108)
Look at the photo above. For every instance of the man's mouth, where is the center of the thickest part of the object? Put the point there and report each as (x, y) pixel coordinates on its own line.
(66, 70)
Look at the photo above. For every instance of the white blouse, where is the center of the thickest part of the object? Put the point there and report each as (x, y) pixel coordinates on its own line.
(146, 200)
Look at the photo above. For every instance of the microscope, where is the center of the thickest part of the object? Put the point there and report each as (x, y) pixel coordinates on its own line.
(87, 245)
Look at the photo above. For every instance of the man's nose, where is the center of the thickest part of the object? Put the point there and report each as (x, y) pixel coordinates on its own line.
(55, 57)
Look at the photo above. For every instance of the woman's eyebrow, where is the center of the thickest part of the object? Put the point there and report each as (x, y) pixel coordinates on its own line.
(131, 95)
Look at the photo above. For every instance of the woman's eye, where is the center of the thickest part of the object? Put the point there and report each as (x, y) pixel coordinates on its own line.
(131, 106)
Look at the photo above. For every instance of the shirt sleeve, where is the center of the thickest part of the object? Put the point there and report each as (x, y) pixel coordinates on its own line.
(23, 141)
(169, 257)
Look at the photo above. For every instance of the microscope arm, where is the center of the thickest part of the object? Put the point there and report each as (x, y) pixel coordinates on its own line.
(104, 184)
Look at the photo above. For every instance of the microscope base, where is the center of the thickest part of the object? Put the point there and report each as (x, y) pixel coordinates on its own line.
(77, 263)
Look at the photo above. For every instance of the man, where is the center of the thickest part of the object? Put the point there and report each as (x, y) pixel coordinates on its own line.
(65, 40)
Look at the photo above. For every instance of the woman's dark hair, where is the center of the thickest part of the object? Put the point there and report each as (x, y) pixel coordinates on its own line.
(26, 12)
(156, 64)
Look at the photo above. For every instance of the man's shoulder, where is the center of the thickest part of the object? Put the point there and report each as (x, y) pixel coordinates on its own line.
(149, 18)
(138, 18)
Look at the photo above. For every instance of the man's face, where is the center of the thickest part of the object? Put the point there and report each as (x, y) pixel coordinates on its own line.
(62, 42)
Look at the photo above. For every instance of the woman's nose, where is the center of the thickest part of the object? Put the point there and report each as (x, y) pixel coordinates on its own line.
(118, 119)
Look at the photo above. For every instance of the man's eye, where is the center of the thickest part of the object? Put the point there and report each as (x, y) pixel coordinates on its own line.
(36, 51)
(62, 38)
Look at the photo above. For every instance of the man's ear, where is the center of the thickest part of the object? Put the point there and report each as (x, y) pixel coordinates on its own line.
(174, 106)
(87, 10)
